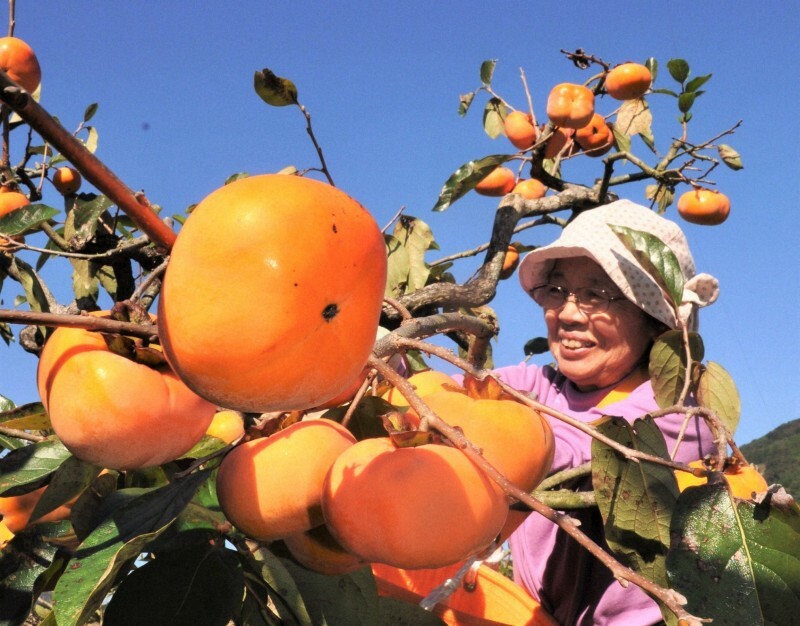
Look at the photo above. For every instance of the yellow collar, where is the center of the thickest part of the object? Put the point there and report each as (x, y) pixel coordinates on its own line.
(625, 387)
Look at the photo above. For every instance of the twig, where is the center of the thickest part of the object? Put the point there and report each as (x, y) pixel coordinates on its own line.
(310, 132)
(88, 322)
(21, 434)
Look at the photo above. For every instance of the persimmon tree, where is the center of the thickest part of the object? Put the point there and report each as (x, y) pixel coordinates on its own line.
(151, 544)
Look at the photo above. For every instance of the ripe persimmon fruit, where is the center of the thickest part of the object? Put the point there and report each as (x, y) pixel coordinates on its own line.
(67, 180)
(113, 412)
(412, 507)
(520, 129)
(498, 182)
(10, 201)
(530, 188)
(628, 81)
(570, 105)
(15, 511)
(744, 480)
(424, 383)
(596, 138)
(18, 60)
(272, 294)
(510, 262)
(561, 142)
(227, 426)
(318, 550)
(707, 207)
(270, 488)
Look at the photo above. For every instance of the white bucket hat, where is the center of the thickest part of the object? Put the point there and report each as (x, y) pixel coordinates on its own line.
(590, 235)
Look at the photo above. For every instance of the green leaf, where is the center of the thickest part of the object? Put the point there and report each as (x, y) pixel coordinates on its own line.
(281, 587)
(730, 157)
(26, 219)
(27, 468)
(735, 562)
(652, 64)
(656, 257)
(366, 420)
(635, 498)
(85, 284)
(678, 69)
(199, 584)
(487, 71)
(667, 367)
(32, 286)
(71, 479)
(464, 102)
(417, 238)
(89, 112)
(84, 219)
(666, 92)
(30, 416)
(274, 90)
(717, 391)
(686, 100)
(398, 267)
(697, 82)
(622, 141)
(537, 345)
(493, 116)
(91, 139)
(466, 177)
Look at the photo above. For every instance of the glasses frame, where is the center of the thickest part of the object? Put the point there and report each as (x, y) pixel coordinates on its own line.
(567, 293)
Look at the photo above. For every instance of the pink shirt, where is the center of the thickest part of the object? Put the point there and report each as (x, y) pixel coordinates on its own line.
(571, 584)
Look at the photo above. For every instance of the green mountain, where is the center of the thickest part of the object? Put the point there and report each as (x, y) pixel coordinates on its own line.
(777, 455)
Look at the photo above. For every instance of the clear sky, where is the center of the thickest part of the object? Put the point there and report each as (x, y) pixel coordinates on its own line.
(178, 115)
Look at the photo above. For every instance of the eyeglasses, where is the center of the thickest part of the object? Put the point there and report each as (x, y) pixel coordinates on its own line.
(590, 300)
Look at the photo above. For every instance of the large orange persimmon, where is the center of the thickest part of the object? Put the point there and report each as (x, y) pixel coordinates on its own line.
(412, 507)
(561, 143)
(512, 437)
(15, 511)
(628, 81)
(227, 426)
(596, 138)
(530, 188)
(520, 129)
(318, 550)
(18, 60)
(744, 480)
(498, 182)
(570, 105)
(270, 488)
(424, 383)
(272, 294)
(110, 410)
(704, 206)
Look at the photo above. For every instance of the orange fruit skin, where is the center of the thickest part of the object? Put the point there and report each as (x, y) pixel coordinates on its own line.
(16, 510)
(113, 412)
(67, 180)
(558, 141)
(704, 206)
(596, 138)
(520, 129)
(11, 201)
(628, 81)
(570, 105)
(530, 188)
(510, 263)
(18, 60)
(273, 293)
(512, 437)
(424, 383)
(416, 507)
(498, 182)
(743, 480)
(318, 550)
(227, 425)
(270, 488)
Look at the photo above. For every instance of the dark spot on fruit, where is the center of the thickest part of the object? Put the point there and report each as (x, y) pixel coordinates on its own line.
(329, 312)
(333, 227)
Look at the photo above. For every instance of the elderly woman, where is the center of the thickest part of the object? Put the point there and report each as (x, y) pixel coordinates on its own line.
(603, 310)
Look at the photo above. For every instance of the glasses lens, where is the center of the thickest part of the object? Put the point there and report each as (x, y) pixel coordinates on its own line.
(592, 300)
(588, 299)
(549, 296)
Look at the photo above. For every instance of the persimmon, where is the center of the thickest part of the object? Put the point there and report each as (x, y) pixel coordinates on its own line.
(18, 60)
(424, 383)
(15, 511)
(498, 182)
(707, 207)
(11, 201)
(67, 180)
(596, 138)
(318, 550)
(530, 188)
(412, 507)
(110, 410)
(744, 480)
(270, 488)
(272, 294)
(510, 263)
(561, 142)
(513, 437)
(628, 81)
(227, 425)
(570, 105)
(520, 129)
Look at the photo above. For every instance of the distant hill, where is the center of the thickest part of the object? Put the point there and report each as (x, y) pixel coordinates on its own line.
(777, 455)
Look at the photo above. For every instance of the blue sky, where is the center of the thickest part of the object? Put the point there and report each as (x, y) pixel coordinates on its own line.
(178, 115)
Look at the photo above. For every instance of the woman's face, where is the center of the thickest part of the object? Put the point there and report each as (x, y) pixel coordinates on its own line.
(600, 349)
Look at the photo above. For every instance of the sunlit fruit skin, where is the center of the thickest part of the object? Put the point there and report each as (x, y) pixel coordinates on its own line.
(67, 180)
(413, 507)
(113, 412)
(511, 436)
(570, 105)
(520, 130)
(270, 488)
(596, 138)
(18, 60)
(743, 480)
(628, 81)
(498, 182)
(530, 188)
(318, 550)
(424, 383)
(11, 201)
(16, 510)
(704, 206)
(227, 426)
(273, 293)
(510, 263)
